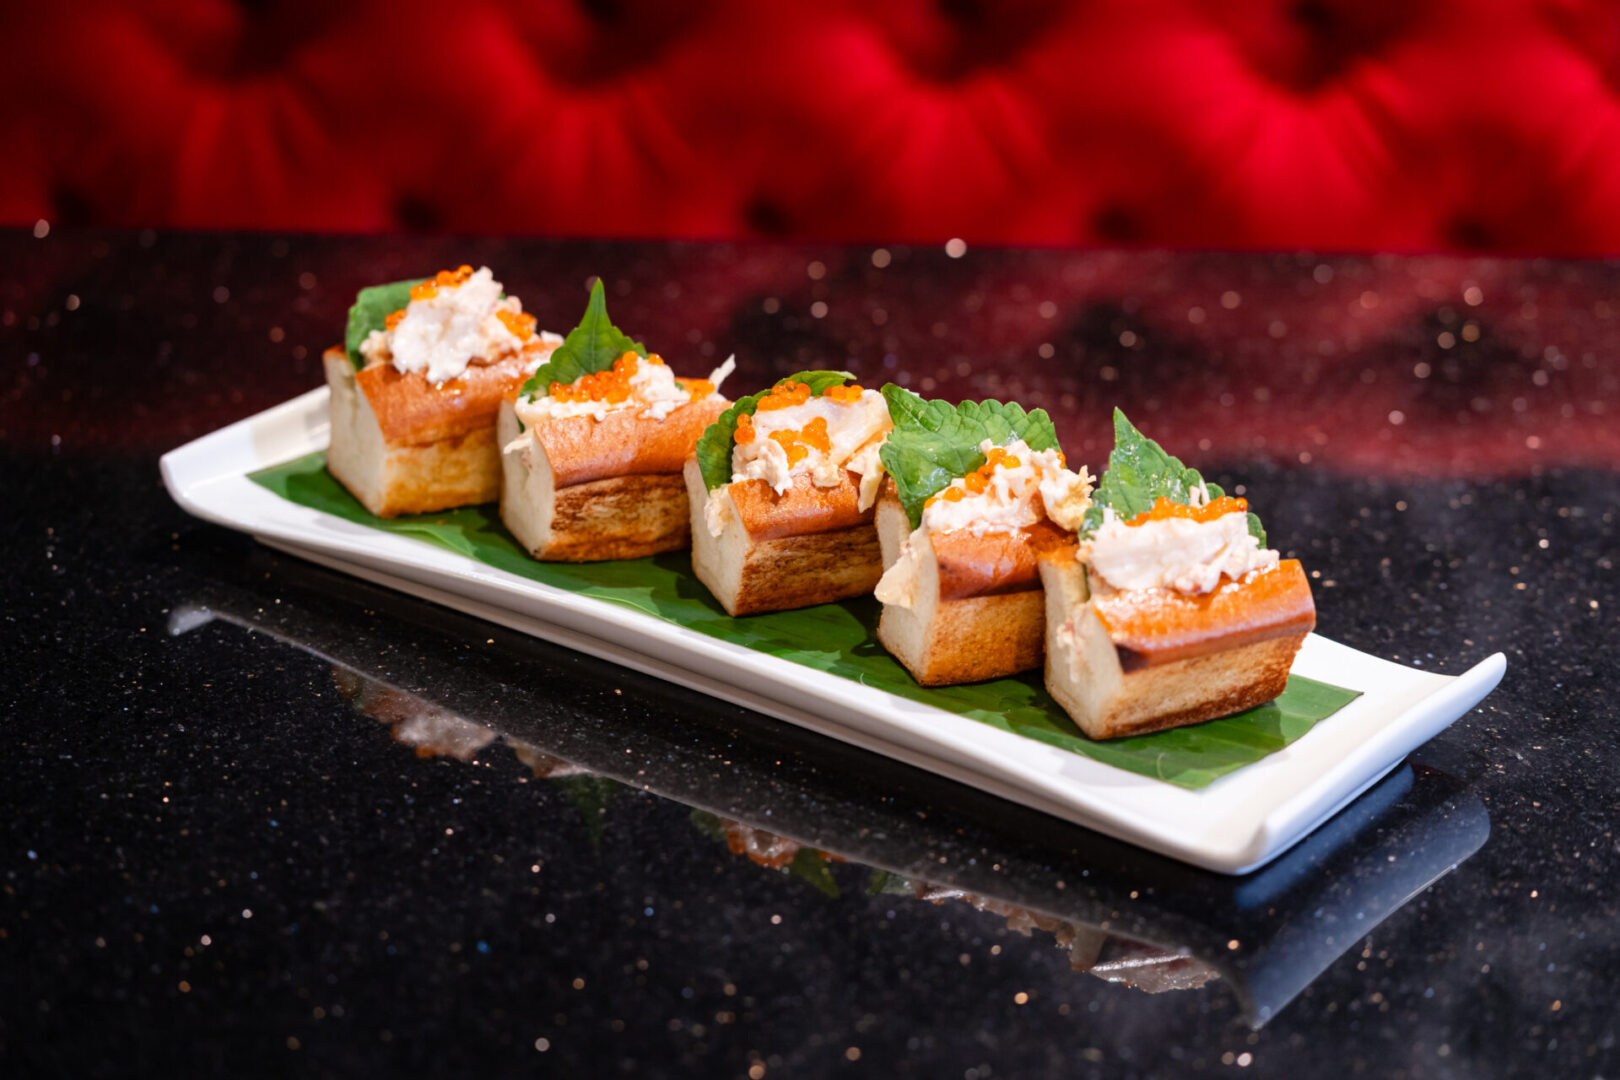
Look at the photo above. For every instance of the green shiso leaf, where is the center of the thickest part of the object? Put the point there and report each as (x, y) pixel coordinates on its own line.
(373, 305)
(590, 347)
(715, 445)
(934, 442)
(1139, 472)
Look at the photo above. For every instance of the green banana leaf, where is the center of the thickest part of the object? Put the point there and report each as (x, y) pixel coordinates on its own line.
(840, 639)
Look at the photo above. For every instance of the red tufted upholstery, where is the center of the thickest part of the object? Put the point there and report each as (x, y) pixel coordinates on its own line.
(1333, 124)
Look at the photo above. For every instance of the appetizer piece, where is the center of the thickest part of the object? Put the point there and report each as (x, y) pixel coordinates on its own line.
(593, 446)
(975, 491)
(416, 386)
(782, 489)
(1173, 611)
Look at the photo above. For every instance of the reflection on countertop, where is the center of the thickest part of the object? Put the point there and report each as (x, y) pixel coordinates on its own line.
(433, 732)
(1136, 919)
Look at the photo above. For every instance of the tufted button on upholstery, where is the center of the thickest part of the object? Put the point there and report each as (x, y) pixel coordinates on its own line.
(763, 216)
(948, 40)
(417, 213)
(590, 43)
(245, 39)
(1305, 44)
(1115, 223)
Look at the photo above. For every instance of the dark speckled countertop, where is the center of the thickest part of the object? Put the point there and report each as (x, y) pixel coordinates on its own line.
(263, 819)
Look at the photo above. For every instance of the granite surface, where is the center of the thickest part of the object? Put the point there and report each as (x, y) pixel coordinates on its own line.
(266, 819)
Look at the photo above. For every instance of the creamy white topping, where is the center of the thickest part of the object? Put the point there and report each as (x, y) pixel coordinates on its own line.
(1039, 487)
(868, 465)
(1002, 507)
(898, 585)
(717, 510)
(654, 394)
(1177, 553)
(441, 334)
(851, 429)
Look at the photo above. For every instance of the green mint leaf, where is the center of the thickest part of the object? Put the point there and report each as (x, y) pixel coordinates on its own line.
(590, 347)
(934, 442)
(371, 307)
(717, 441)
(1140, 472)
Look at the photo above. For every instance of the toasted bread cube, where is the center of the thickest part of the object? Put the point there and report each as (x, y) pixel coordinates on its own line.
(808, 546)
(977, 608)
(586, 490)
(404, 446)
(1131, 662)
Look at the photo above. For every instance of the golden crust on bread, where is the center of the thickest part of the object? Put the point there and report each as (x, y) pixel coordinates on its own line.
(1170, 663)
(1160, 626)
(801, 510)
(619, 517)
(459, 471)
(610, 517)
(967, 640)
(994, 563)
(977, 609)
(412, 411)
(391, 478)
(581, 448)
(802, 571)
(1198, 689)
(776, 570)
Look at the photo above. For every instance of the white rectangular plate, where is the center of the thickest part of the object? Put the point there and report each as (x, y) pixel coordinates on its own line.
(1234, 825)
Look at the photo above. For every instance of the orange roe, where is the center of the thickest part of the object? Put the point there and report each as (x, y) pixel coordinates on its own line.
(697, 387)
(444, 279)
(393, 320)
(975, 482)
(795, 452)
(798, 444)
(1164, 509)
(998, 456)
(783, 395)
(815, 434)
(611, 386)
(522, 326)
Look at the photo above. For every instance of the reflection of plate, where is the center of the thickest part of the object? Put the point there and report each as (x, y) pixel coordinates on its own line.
(1119, 913)
(1236, 824)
